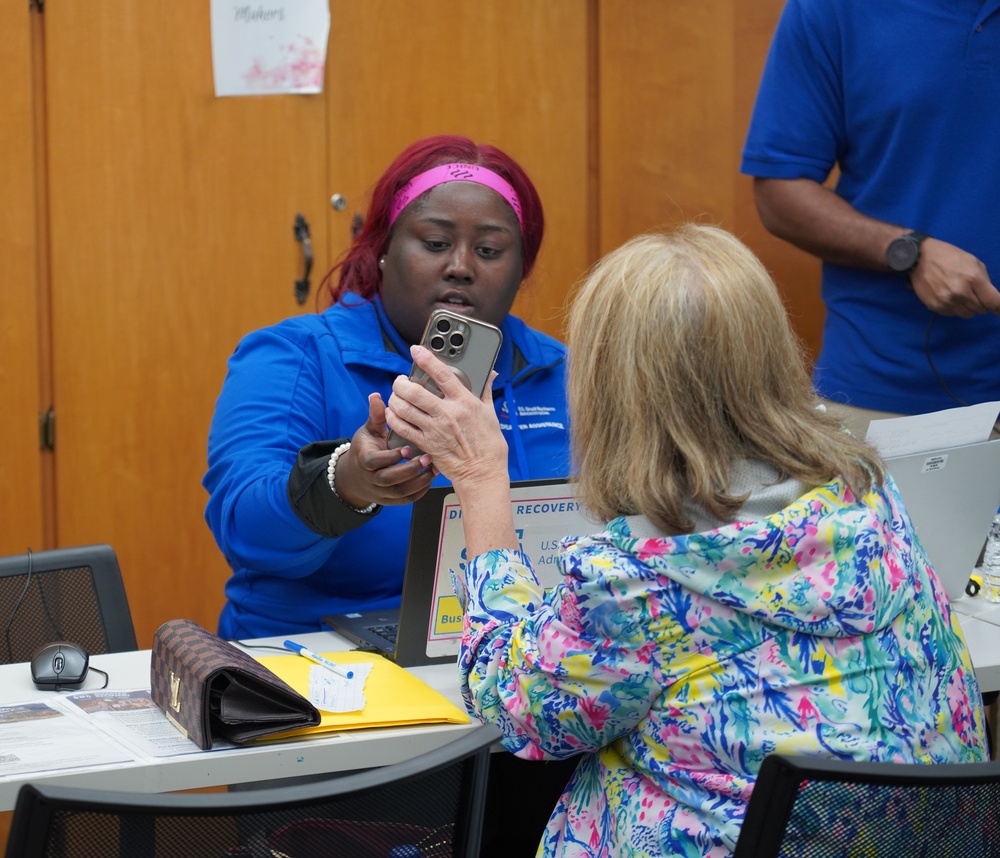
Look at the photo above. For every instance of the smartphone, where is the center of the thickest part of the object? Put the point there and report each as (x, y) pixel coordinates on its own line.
(468, 346)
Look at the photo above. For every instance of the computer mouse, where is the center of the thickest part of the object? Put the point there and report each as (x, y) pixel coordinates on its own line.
(59, 665)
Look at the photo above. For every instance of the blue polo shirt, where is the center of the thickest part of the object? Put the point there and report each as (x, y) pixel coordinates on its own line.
(903, 96)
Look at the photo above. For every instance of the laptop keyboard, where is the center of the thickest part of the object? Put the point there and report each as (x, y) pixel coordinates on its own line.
(388, 632)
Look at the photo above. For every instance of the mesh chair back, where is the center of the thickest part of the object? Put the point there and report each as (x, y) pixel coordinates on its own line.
(66, 594)
(813, 808)
(428, 807)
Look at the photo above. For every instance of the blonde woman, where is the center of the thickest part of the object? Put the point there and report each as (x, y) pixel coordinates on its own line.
(759, 587)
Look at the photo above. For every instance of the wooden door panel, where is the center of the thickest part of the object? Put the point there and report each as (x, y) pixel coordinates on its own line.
(677, 86)
(666, 115)
(509, 72)
(171, 235)
(21, 468)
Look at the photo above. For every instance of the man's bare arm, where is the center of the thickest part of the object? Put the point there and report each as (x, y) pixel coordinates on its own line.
(947, 279)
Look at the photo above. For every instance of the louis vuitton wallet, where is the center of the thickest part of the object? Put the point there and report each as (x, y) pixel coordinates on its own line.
(210, 689)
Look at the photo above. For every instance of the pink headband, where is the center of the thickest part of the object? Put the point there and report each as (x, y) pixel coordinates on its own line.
(453, 173)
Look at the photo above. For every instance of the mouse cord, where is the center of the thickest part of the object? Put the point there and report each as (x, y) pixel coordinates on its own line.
(246, 645)
(105, 675)
(930, 361)
(52, 618)
(17, 604)
(76, 687)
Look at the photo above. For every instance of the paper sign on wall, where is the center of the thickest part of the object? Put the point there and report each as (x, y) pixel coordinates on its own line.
(265, 48)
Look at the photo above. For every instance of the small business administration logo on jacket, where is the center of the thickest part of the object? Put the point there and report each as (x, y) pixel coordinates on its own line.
(530, 417)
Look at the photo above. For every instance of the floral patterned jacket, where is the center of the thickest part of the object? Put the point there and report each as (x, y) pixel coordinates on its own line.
(673, 665)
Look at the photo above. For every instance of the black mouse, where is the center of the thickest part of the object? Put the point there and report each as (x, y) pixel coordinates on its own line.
(59, 665)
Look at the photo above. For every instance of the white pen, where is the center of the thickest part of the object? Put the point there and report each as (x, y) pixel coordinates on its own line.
(325, 662)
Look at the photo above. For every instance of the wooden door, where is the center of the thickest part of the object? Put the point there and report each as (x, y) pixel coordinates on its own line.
(21, 462)
(171, 224)
(513, 73)
(677, 86)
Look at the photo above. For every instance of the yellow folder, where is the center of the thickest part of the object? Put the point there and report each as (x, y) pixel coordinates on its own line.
(394, 697)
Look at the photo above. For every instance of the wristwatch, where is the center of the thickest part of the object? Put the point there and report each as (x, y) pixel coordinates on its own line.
(903, 253)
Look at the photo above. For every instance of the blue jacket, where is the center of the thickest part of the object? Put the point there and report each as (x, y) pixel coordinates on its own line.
(307, 379)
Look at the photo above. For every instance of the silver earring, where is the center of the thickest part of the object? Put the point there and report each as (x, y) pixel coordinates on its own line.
(382, 261)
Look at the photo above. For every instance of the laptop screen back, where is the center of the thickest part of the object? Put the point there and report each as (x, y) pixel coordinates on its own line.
(951, 496)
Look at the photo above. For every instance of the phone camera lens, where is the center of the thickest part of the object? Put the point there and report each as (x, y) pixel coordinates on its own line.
(437, 343)
(457, 340)
(444, 325)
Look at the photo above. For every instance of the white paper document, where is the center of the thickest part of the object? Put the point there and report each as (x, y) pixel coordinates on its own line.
(134, 719)
(333, 693)
(921, 433)
(271, 47)
(86, 728)
(39, 737)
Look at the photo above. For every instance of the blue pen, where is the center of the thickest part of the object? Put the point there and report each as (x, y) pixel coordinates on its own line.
(325, 662)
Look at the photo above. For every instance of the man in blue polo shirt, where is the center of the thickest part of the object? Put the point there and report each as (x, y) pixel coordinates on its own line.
(904, 99)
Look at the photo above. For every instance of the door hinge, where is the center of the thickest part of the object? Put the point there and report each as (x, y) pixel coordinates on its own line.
(47, 429)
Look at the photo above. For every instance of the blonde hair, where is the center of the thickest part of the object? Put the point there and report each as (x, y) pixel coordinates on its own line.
(683, 361)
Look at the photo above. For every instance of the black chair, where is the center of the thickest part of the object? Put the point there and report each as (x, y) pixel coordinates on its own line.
(64, 594)
(816, 808)
(427, 807)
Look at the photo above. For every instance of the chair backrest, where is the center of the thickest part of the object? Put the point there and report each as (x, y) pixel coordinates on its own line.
(815, 808)
(427, 807)
(64, 594)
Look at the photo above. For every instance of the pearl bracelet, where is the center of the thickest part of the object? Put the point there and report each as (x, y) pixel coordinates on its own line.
(331, 470)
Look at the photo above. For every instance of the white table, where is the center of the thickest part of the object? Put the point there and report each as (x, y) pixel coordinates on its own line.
(330, 752)
(335, 752)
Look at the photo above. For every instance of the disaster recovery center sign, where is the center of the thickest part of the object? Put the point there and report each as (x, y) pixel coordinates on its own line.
(542, 516)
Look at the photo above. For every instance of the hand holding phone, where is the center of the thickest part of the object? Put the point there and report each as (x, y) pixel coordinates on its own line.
(468, 346)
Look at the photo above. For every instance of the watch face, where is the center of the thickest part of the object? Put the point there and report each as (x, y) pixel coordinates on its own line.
(903, 253)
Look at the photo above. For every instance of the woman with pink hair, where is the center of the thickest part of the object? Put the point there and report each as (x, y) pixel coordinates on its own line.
(307, 501)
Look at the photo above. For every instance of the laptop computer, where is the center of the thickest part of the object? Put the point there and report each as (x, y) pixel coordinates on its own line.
(951, 495)
(427, 627)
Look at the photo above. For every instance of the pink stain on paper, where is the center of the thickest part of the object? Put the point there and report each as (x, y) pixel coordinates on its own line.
(302, 69)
